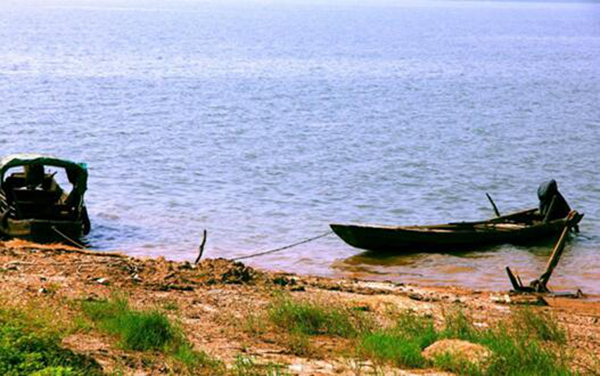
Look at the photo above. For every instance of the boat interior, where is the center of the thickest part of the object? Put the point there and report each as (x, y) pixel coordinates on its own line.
(45, 200)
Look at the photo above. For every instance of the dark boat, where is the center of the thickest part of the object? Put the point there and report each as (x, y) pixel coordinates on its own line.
(520, 227)
(34, 206)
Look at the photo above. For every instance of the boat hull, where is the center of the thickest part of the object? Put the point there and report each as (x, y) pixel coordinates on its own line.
(515, 228)
(41, 230)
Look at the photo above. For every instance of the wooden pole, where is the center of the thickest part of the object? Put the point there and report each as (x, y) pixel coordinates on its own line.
(201, 248)
(557, 252)
(493, 205)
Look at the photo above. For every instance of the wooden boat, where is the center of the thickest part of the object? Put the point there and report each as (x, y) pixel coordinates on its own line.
(520, 227)
(34, 206)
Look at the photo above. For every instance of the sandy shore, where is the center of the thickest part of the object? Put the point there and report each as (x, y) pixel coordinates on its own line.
(214, 299)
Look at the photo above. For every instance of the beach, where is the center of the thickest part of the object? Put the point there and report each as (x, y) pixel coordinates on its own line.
(219, 305)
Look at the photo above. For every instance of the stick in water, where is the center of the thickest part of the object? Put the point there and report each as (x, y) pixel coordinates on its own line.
(493, 205)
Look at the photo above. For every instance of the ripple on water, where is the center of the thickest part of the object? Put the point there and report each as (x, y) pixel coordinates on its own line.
(263, 126)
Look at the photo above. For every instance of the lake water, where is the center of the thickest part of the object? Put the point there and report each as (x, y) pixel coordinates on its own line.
(263, 122)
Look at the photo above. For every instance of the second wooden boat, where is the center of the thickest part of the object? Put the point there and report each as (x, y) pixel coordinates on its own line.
(520, 227)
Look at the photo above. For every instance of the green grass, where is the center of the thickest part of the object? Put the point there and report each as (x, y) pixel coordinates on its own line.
(401, 344)
(311, 318)
(149, 330)
(529, 343)
(30, 346)
(300, 319)
(136, 330)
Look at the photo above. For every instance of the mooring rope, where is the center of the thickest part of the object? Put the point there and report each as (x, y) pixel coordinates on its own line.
(283, 248)
(67, 238)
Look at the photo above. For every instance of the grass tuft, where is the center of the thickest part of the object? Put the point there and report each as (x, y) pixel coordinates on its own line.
(28, 346)
(402, 343)
(312, 318)
(137, 330)
(149, 330)
(538, 325)
(528, 343)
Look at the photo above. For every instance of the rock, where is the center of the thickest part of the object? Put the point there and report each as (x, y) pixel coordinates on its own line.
(461, 351)
(422, 298)
(520, 299)
(415, 296)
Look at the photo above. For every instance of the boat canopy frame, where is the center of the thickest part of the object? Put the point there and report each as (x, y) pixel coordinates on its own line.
(76, 172)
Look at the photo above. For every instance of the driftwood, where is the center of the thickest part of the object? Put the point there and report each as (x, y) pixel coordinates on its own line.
(541, 284)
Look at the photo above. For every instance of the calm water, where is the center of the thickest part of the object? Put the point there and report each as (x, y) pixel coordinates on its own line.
(263, 122)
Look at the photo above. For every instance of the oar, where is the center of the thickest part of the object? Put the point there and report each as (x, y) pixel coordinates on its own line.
(493, 205)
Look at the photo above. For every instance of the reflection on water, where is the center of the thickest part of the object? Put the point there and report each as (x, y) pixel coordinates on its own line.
(481, 268)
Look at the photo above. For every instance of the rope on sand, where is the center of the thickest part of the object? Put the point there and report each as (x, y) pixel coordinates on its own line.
(67, 238)
(283, 248)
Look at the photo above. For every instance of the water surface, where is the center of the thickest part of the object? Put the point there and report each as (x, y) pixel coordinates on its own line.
(264, 122)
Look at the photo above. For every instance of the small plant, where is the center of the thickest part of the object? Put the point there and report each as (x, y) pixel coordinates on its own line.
(458, 325)
(141, 330)
(28, 347)
(312, 318)
(401, 344)
(528, 343)
(538, 325)
(190, 359)
(137, 330)
(298, 343)
(255, 324)
(170, 306)
(518, 352)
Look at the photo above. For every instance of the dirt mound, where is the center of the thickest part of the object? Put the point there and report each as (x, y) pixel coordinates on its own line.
(230, 272)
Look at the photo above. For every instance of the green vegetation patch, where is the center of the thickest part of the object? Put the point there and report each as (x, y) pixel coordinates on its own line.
(529, 343)
(149, 330)
(28, 347)
(402, 343)
(136, 330)
(311, 318)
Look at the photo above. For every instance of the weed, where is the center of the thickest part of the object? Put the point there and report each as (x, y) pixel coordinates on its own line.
(170, 306)
(458, 365)
(255, 325)
(517, 352)
(312, 318)
(401, 344)
(299, 343)
(539, 325)
(458, 325)
(190, 358)
(29, 347)
(137, 330)
(519, 345)
(149, 330)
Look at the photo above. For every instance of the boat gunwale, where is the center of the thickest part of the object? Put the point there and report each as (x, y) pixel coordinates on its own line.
(459, 226)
